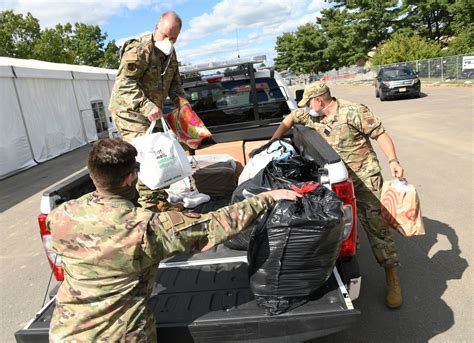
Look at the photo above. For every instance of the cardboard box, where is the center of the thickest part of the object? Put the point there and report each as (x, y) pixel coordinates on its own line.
(250, 146)
(234, 149)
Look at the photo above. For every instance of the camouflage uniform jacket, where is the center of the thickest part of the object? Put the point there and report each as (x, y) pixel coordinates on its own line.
(111, 251)
(348, 132)
(140, 86)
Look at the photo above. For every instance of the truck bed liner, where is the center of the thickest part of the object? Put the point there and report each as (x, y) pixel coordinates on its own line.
(206, 297)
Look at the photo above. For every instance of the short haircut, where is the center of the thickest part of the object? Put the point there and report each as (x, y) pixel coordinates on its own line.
(173, 15)
(110, 161)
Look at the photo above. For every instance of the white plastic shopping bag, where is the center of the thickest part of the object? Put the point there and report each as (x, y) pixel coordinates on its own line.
(162, 159)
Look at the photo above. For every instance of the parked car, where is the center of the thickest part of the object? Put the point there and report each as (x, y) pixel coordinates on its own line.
(397, 82)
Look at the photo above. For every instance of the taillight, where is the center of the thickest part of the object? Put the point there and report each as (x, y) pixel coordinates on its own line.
(53, 258)
(345, 192)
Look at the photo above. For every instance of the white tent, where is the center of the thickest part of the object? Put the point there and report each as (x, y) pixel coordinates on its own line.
(48, 109)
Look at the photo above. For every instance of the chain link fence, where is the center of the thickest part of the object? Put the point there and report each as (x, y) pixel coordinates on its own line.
(459, 67)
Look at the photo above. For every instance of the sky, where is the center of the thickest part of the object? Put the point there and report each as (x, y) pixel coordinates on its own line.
(212, 30)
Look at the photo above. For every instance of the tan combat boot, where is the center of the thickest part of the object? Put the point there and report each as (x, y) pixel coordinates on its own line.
(394, 291)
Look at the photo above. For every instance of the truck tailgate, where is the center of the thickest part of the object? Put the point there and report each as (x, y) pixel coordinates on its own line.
(206, 297)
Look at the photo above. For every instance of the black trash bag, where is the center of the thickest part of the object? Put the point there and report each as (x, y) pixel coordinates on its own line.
(294, 251)
(277, 174)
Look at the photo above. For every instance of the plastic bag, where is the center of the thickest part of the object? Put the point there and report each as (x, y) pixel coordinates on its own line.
(277, 174)
(401, 208)
(162, 159)
(294, 251)
(186, 124)
(274, 150)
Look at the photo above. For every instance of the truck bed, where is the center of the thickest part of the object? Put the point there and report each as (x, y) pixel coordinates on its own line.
(206, 297)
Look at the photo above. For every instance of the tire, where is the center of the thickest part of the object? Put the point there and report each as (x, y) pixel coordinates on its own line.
(376, 93)
(382, 97)
(417, 95)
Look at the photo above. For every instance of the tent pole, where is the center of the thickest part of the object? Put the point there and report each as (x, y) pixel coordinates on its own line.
(79, 110)
(23, 116)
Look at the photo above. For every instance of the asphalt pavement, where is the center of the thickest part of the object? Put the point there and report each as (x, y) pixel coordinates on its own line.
(434, 140)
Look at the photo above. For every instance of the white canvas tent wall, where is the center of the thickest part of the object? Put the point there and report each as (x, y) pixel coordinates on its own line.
(46, 111)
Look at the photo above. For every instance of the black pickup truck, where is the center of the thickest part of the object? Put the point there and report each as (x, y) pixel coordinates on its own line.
(206, 297)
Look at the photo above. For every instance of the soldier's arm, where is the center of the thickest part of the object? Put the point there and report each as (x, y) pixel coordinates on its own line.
(127, 94)
(181, 232)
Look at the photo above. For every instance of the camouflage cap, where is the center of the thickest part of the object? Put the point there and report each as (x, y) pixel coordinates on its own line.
(313, 90)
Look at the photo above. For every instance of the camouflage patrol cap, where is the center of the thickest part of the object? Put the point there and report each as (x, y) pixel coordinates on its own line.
(313, 90)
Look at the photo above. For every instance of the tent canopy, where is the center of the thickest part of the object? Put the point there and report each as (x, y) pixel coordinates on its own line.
(49, 109)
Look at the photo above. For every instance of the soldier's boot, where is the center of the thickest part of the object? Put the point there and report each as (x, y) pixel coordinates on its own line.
(394, 291)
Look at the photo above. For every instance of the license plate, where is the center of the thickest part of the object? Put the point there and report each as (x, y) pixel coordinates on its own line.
(402, 89)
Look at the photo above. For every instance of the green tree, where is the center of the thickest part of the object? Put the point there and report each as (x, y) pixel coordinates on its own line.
(54, 45)
(355, 27)
(18, 34)
(284, 47)
(87, 43)
(309, 47)
(431, 19)
(405, 47)
(110, 59)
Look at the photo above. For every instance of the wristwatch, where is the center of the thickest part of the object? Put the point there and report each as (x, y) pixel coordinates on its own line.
(393, 160)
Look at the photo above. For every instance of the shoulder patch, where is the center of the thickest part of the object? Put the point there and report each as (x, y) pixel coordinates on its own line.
(175, 218)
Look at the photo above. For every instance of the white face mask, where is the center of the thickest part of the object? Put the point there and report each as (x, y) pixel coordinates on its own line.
(312, 112)
(165, 46)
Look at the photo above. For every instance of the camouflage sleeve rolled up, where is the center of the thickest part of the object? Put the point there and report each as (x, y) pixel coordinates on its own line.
(366, 122)
(128, 95)
(190, 232)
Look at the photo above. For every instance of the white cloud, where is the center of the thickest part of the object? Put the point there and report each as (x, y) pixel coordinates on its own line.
(230, 15)
(50, 13)
(268, 19)
(317, 5)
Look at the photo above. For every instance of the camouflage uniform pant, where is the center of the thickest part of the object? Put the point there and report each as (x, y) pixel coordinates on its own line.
(368, 192)
(153, 200)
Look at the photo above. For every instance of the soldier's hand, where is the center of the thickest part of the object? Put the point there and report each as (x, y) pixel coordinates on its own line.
(155, 114)
(283, 194)
(396, 169)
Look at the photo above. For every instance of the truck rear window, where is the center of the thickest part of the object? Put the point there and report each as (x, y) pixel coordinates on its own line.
(223, 103)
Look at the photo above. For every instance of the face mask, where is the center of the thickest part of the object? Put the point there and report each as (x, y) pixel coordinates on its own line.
(165, 46)
(313, 113)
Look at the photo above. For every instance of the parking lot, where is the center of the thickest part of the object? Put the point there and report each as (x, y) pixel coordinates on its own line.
(434, 140)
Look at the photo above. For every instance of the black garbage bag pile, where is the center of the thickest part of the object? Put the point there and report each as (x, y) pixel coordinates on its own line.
(294, 247)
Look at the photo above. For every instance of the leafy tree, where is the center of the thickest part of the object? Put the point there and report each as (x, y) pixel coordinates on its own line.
(355, 27)
(18, 34)
(285, 45)
(404, 47)
(310, 43)
(110, 59)
(463, 43)
(87, 43)
(432, 19)
(54, 45)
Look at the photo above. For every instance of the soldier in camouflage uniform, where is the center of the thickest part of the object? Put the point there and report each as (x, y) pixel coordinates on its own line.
(348, 127)
(110, 249)
(147, 75)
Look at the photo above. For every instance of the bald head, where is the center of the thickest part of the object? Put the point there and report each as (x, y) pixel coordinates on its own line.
(168, 27)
